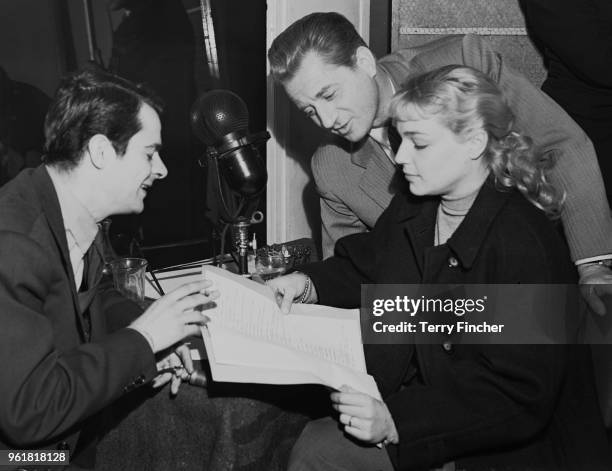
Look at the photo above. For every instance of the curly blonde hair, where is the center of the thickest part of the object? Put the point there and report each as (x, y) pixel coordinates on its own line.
(465, 99)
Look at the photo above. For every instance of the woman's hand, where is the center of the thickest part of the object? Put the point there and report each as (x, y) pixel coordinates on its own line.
(364, 417)
(288, 289)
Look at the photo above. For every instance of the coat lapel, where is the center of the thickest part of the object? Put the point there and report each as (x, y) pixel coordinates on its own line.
(51, 208)
(471, 234)
(419, 219)
(380, 180)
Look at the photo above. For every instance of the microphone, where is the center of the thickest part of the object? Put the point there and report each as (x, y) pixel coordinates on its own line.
(220, 119)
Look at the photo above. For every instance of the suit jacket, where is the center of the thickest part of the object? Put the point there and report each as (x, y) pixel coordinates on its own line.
(53, 380)
(355, 181)
(510, 407)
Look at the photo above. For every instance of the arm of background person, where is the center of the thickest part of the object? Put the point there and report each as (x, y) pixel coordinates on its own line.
(579, 35)
(586, 216)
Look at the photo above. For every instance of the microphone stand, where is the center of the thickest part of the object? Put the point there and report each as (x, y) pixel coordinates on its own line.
(240, 225)
(241, 242)
(240, 229)
(220, 119)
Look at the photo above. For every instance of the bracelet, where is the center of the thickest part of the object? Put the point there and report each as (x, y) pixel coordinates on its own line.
(306, 293)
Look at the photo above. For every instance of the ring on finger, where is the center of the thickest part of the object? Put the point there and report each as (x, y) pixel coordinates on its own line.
(350, 421)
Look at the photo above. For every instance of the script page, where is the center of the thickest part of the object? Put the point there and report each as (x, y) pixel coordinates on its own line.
(250, 340)
(250, 309)
(272, 364)
(248, 329)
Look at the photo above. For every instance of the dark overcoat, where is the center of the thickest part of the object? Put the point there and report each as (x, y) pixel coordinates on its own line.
(503, 407)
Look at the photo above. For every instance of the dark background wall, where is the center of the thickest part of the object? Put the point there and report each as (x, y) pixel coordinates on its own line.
(30, 48)
(380, 27)
(41, 40)
(241, 45)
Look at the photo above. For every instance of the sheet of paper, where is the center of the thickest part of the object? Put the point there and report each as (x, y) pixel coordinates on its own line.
(272, 364)
(253, 312)
(250, 340)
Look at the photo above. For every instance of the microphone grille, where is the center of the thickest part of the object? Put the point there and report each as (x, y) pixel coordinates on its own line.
(217, 113)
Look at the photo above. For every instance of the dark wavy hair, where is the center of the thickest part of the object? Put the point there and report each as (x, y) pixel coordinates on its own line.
(465, 99)
(330, 35)
(93, 102)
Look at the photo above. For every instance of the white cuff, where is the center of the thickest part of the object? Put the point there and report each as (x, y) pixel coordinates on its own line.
(597, 258)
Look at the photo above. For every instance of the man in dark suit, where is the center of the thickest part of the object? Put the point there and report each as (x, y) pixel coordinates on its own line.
(61, 363)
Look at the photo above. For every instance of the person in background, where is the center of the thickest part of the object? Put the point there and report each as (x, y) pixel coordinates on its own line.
(329, 73)
(576, 43)
(62, 363)
(155, 45)
(476, 213)
(575, 40)
(22, 115)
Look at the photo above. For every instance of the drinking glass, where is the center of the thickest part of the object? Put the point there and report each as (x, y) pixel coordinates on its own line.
(129, 277)
(269, 266)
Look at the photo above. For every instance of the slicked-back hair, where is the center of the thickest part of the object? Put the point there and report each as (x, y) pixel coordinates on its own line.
(330, 35)
(93, 102)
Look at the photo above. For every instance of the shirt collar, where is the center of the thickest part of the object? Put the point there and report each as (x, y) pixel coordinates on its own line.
(386, 83)
(77, 218)
(381, 136)
(386, 78)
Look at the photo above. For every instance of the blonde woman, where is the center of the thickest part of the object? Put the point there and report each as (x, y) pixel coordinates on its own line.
(479, 212)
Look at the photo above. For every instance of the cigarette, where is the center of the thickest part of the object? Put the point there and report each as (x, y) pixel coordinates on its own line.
(171, 369)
